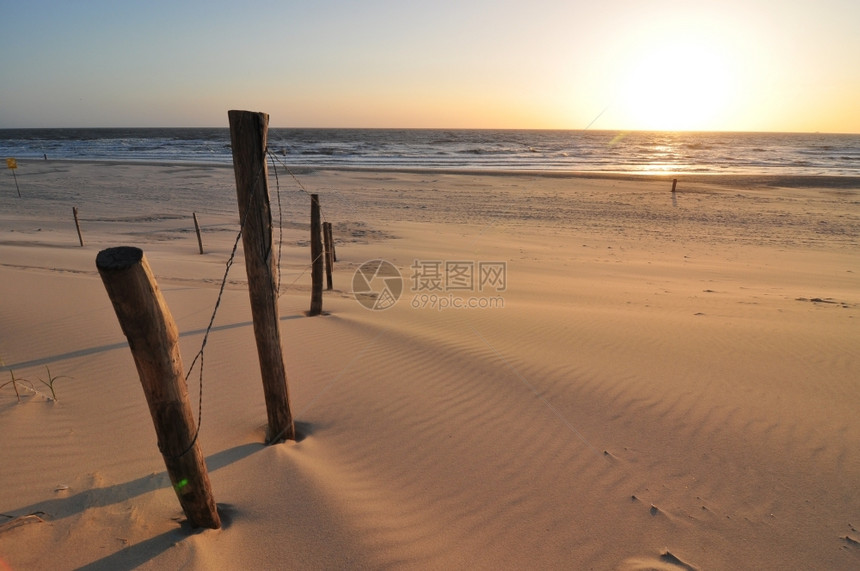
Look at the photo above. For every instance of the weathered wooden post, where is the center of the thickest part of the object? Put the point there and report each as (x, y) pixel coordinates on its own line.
(329, 254)
(328, 227)
(316, 258)
(248, 134)
(153, 339)
(78, 225)
(674, 183)
(197, 229)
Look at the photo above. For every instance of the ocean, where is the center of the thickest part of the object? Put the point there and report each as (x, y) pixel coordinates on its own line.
(635, 152)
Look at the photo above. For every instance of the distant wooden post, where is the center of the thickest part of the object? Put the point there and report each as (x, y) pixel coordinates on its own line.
(316, 258)
(197, 229)
(78, 225)
(153, 339)
(329, 254)
(248, 134)
(328, 227)
(674, 182)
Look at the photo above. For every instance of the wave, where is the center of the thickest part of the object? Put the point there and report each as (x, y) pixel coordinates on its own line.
(606, 151)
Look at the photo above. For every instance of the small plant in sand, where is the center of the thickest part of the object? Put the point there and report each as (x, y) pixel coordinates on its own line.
(51, 380)
(15, 382)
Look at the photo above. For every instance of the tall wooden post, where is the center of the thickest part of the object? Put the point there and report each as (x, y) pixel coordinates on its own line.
(316, 258)
(329, 254)
(153, 339)
(248, 134)
(197, 229)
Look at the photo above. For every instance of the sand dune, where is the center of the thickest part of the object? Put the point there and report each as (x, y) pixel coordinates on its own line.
(665, 382)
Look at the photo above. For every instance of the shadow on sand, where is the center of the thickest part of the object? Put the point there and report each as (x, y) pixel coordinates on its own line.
(139, 553)
(121, 345)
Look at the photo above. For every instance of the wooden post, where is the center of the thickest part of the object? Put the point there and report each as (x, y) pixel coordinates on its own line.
(197, 229)
(328, 226)
(248, 134)
(674, 182)
(153, 339)
(316, 258)
(78, 225)
(329, 254)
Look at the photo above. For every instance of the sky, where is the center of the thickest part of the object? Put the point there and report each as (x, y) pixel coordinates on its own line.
(726, 65)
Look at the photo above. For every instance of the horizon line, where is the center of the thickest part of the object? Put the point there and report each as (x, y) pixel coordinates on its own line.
(613, 130)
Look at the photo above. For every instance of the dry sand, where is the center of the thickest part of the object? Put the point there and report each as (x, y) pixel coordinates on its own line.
(673, 381)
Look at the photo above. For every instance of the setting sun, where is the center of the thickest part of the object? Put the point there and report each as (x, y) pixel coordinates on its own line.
(679, 85)
(728, 65)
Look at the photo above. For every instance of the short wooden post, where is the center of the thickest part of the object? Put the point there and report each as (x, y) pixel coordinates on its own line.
(78, 225)
(674, 183)
(14, 176)
(316, 257)
(329, 254)
(197, 229)
(153, 339)
(248, 134)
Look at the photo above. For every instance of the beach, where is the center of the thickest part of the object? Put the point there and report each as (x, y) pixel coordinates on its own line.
(580, 372)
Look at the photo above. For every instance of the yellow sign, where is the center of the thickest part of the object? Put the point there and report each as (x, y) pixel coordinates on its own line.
(11, 164)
